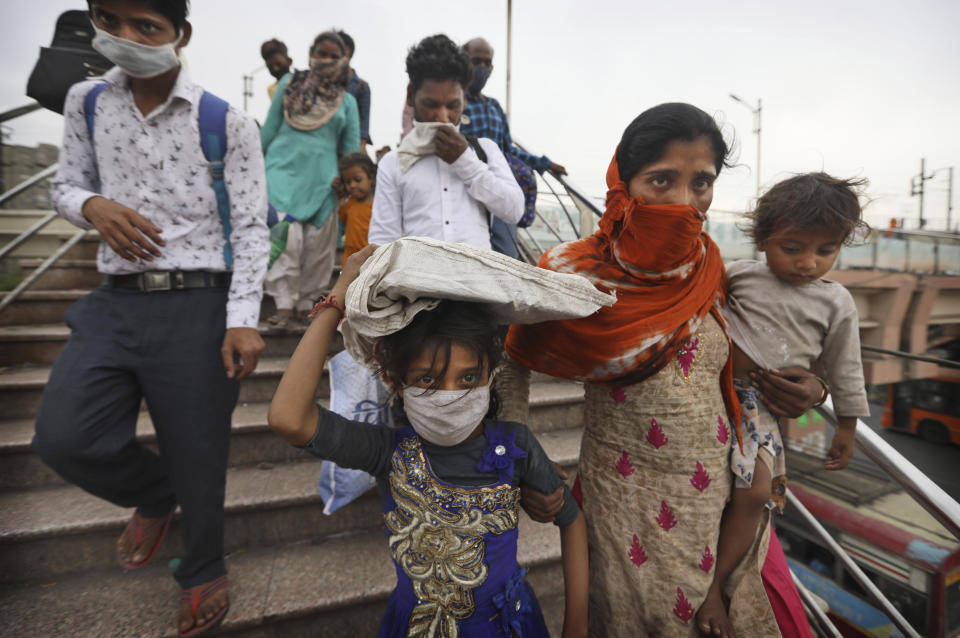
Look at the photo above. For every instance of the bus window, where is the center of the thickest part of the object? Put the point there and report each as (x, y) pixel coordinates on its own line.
(934, 395)
(818, 558)
(952, 606)
(909, 602)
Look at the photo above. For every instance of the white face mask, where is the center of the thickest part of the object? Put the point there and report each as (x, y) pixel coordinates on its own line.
(446, 417)
(137, 60)
(419, 143)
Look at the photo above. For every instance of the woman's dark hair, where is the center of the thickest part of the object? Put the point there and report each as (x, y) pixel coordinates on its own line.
(347, 41)
(358, 159)
(437, 58)
(173, 10)
(468, 324)
(807, 202)
(333, 37)
(646, 137)
(272, 47)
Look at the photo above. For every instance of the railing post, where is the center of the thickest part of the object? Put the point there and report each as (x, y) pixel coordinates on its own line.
(44, 267)
(852, 568)
(27, 183)
(27, 234)
(924, 491)
(814, 610)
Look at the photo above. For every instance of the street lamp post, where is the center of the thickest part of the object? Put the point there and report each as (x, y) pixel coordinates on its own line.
(949, 197)
(248, 85)
(917, 188)
(509, 52)
(756, 128)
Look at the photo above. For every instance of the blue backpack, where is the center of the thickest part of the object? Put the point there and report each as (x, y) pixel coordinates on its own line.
(212, 119)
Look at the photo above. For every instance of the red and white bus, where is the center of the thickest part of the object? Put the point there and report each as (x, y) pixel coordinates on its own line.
(910, 557)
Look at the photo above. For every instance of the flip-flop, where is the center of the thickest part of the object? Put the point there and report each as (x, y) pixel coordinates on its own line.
(280, 321)
(195, 596)
(141, 531)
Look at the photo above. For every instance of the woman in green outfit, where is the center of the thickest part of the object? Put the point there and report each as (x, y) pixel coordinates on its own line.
(312, 123)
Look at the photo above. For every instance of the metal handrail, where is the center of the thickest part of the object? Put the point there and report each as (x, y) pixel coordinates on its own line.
(39, 225)
(928, 234)
(928, 494)
(553, 191)
(16, 112)
(27, 234)
(946, 363)
(534, 240)
(44, 267)
(550, 227)
(924, 491)
(576, 192)
(27, 183)
(813, 609)
(852, 568)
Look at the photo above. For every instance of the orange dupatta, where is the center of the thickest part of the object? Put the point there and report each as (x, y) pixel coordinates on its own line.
(667, 275)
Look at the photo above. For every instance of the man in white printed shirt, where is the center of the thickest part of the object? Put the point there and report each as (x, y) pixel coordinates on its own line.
(170, 324)
(435, 184)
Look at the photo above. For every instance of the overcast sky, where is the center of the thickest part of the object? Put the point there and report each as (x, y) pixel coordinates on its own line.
(855, 88)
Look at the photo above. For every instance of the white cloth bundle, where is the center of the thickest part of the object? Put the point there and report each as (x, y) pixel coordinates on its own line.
(413, 274)
(419, 143)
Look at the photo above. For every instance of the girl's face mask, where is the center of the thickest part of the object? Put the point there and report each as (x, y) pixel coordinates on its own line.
(137, 60)
(446, 417)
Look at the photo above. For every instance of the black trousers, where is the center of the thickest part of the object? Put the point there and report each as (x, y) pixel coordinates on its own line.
(164, 347)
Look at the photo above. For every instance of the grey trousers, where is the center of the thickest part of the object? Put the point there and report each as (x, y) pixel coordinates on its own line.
(304, 269)
(163, 347)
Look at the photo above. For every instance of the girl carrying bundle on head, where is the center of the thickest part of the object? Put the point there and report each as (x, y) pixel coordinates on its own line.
(450, 474)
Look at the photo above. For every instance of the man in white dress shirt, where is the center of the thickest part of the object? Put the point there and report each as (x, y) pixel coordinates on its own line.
(435, 184)
(172, 323)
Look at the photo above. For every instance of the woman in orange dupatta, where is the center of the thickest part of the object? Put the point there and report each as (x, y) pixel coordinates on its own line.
(660, 411)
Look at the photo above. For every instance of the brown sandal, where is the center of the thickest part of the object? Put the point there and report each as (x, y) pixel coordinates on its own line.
(281, 320)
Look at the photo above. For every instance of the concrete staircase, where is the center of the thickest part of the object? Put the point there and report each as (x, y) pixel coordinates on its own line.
(293, 570)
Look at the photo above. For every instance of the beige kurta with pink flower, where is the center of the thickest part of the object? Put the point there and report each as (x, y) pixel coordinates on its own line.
(655, 476)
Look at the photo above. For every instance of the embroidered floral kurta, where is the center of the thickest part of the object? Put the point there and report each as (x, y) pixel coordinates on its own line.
(662, 446)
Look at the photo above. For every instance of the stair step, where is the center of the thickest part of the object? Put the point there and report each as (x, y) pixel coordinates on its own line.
(48, 532)
(553, 407)
(39, 306)
(336, 587)
(42, 306)
(39, 344)
(65, 274)
(46, 242)
(252, 442)
(21, 389)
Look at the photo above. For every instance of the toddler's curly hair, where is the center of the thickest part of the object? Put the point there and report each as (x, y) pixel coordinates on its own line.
(359, 159)
(810, 201)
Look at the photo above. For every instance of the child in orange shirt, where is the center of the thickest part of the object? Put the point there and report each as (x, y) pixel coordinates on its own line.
(358, 176)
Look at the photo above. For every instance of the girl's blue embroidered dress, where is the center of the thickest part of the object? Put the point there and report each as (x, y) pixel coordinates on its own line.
(455, 549)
